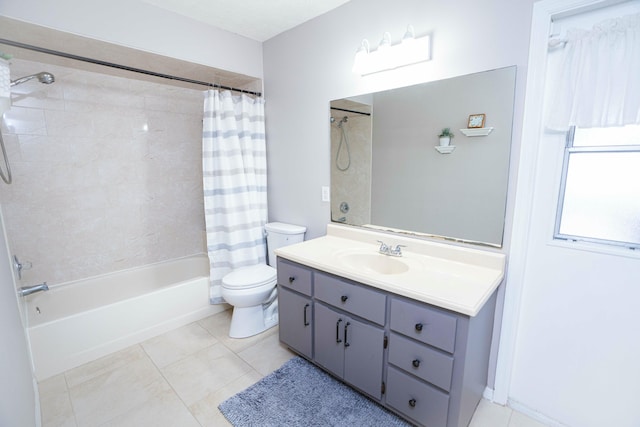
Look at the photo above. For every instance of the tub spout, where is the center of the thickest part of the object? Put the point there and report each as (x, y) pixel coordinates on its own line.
(28, 290)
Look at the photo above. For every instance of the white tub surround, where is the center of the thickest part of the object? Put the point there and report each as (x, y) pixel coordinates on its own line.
(452, 277)
(77, 322)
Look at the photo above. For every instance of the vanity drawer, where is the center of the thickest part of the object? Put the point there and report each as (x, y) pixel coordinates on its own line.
(422, 361)
(424, 323)
(359, 300)
(294, 276)
(415, 399)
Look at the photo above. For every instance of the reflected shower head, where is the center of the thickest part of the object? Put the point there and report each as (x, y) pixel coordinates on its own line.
(43, 77)
(343, 120)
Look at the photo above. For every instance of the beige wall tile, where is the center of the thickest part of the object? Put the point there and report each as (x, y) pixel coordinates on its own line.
(107, 173)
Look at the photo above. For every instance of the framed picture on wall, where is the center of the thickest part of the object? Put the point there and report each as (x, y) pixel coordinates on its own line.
(476, 121)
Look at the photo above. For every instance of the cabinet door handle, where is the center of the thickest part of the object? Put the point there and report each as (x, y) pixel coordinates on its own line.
(418, 327)
(346, 326)
(415, 363)
(306, 322)
(344, 298)
(412, 403)
(338, 340)
(291, 279)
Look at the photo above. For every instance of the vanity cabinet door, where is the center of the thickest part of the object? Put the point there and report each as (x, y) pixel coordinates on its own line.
(329, 339)
(349, 348)
(295, 323)
(363, 356)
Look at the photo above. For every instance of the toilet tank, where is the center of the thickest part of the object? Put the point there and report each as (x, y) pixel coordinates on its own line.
(280, 234)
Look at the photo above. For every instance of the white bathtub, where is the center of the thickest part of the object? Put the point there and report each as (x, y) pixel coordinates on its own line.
(77, 322)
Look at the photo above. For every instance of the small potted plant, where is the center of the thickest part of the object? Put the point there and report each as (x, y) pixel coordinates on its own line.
(445, 137)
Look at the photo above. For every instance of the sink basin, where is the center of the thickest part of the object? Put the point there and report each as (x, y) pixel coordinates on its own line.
(374, 263)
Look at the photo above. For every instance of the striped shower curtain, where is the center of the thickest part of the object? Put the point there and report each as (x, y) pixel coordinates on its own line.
(235, 183)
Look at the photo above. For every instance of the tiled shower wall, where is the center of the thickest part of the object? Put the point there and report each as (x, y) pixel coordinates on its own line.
(107, 173)
(353, 185)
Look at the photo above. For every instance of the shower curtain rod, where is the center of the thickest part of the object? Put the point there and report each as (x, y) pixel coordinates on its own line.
(122, 67)
(350, 111)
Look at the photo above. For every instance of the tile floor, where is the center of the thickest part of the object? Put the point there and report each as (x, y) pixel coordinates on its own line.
(179, 378)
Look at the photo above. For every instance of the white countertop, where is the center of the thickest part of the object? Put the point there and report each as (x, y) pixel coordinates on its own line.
(447, 276)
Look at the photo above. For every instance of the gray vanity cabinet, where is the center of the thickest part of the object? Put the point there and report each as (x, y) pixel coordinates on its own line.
(427, 364)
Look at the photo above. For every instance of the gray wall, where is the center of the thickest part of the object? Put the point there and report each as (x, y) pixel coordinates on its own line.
(310, 65)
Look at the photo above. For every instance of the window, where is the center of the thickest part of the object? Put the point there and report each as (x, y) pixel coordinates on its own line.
(600, 190)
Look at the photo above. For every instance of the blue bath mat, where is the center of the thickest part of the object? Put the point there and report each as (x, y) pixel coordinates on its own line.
(300, 394)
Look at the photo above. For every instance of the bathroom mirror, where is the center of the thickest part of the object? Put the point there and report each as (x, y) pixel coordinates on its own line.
(388, 170)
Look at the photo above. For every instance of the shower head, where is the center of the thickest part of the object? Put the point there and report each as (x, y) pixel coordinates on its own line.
(43, 77)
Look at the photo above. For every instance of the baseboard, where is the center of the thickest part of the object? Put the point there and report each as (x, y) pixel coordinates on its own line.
(524, 409)
(533, 414)
(488, 394)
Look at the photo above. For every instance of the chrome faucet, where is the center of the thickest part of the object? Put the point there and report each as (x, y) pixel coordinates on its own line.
(384, 248)
(397, 251)
(28, 290)
(389, 250)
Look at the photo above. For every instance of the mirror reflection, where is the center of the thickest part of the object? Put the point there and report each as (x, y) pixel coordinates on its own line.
(390, 171)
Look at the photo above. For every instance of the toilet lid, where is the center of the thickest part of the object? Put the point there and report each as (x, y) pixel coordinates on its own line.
(250, 277)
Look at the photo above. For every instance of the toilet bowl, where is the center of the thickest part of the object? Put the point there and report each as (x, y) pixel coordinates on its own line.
(252, 290)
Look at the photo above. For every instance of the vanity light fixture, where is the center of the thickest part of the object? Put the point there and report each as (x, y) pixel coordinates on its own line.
(388, 56)
(362, 55)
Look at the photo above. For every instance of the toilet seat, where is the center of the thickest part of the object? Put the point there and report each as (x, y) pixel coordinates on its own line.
(250, 277)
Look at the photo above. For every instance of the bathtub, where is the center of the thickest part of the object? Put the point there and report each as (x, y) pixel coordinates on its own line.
(76, 322)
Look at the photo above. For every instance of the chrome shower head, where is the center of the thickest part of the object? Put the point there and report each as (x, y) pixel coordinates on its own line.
(46, 78)
(43, 77)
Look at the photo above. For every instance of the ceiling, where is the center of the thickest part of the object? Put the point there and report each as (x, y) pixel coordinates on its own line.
(256, 19)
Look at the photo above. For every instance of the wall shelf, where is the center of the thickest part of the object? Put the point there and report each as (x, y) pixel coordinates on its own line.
(477, 131)
(445, 149)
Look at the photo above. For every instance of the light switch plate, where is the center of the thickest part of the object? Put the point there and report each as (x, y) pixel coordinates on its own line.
(326, 194)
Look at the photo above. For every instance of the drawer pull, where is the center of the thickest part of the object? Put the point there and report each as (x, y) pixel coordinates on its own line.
(416, 363)
(338, 340)
(412, 403)
(344, 298)
(291, 279)
(418, 327)
(346, 325)
(306, 322)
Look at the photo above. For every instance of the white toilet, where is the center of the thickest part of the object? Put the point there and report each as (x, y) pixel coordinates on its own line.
(252, 290)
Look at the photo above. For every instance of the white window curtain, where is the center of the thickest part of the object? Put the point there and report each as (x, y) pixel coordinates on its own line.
(599, 79)
(235, 183)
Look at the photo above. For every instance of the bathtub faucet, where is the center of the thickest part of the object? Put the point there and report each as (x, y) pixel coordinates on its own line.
(28, 290)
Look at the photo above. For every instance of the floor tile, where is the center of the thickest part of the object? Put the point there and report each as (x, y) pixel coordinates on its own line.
(55, 404)
(490, 415)
(165, 410)
(518, 419)
(206, 410)
(266, 355)
(177, 344)
(103, 365)
(115, 392)
(218, 326)
(53, 385)
(204, 372)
